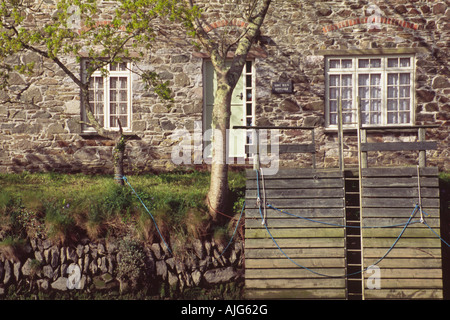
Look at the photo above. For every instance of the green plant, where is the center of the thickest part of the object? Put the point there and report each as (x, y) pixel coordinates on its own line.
(58, 220)
(131, 269)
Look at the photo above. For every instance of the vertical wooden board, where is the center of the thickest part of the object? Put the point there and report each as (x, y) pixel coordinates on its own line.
(292, 259)
(412, 269)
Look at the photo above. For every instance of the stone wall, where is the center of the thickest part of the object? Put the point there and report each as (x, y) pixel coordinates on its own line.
(43, 133)
(42, 266)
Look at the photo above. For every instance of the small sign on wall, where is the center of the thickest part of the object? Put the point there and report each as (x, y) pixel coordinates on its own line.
(282, 87)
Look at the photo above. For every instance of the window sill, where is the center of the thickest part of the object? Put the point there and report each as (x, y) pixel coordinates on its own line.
(94, 135)
(407, 127)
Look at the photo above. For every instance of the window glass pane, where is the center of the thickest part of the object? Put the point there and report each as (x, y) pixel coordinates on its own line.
(392, 117)
(392, 105)
(403, 104)
(346, 93)
(248, 67)
(333, 106)
(363, 80)
(347, 63)
(405, 62)
(123, 95)
(334, 93)
(334, 64)
(375, 63)
(405, 78)
(363, 63)
(113, 95)
(113, 108)
(375, 92)
(375, 79)
(392, 92)
(404, 117)
(113, 82)
(392, 62)
(346, 80)
(392, 79)
(364, 92)
(404, 92)
(334, 80)
(123, 82)
(123, 108)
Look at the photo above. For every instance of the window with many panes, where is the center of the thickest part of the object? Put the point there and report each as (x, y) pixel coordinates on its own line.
(110, 96)
(383, 86)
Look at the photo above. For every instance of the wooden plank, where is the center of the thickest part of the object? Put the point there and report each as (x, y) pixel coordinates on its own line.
(412, 242)
(292, 173)
(286, 263)
(399, 172)
(295, 283)
(296, 184)
(286, 204)
(386, 222)
(398, 146)
(399, 182)
(411, 263)
(395, 232)
(252, 211)
(398, 212)
(400, 192)
(292, 273)
(253, 243)
(417, 253)
(297, 233)
(296, 253)
(407, 273)
(294, 223)
(296, 193)
(407, 294)
(399, 202)
(286, 294)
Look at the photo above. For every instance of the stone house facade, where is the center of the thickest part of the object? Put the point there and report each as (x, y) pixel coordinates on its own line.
(391, 56)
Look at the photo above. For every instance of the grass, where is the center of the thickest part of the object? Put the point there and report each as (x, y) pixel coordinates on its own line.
(68, 207)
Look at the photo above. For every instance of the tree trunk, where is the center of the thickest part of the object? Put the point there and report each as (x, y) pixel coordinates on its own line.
(118, 156)
(218, 191)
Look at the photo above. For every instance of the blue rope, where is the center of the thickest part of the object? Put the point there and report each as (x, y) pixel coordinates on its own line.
(148, 211)
(340, 225)
(234, 233)
(425, 223)
(325, 275)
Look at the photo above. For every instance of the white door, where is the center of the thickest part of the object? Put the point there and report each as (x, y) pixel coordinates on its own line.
(239, 109)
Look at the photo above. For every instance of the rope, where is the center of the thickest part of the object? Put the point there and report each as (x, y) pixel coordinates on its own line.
(234, 233)
(148, 211)
(341, 225)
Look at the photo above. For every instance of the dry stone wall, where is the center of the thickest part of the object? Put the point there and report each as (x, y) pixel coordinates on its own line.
(43, 133)
(42, 266)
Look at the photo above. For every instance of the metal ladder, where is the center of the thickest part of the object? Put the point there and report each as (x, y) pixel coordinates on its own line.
(353, 213)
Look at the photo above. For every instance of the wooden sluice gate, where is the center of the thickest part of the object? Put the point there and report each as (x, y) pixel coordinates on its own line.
(303, 241)
(345, 233)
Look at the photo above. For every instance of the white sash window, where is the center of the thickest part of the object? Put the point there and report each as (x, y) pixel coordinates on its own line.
(110, 96)
(383, 85)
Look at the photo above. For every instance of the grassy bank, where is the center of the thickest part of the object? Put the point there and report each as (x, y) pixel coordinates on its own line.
(69, 207)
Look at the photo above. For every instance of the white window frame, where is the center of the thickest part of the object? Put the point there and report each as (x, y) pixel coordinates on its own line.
(106, 96)
(355, 71)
